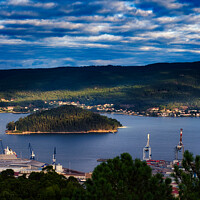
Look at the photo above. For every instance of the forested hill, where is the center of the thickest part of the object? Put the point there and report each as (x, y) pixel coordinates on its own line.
(156, 84)
(78, 78)
(64, 119)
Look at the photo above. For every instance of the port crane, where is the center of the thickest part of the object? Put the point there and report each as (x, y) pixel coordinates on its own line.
(3, 151)
(54, 157)
(180, 145)
(147, 150)
(31, 152)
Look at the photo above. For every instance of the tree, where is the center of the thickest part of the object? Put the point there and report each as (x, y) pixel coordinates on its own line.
(123, 178)
(188, 179)
(7, 174)
(48, 168)
(11, 126)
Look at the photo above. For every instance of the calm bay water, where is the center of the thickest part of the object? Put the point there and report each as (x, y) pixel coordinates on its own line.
(80, 151)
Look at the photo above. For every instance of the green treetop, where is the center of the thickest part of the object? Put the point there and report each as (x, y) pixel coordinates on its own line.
(123, 178)
(189, 178)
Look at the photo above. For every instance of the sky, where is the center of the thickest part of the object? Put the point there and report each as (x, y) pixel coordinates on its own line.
(48, 33)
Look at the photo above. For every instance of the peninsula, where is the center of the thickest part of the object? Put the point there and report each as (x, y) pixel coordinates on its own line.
(64, 119)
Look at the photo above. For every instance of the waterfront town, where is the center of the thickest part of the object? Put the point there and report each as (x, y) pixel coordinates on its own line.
(181, 111)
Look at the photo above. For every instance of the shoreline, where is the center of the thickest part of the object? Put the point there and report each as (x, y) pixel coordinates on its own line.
(61, 132)
(121, 113)
(141, 115)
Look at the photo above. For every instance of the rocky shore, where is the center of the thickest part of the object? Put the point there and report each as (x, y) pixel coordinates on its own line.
(72, 132)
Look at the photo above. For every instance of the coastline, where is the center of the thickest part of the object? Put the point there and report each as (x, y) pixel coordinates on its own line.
(18, 113)
(64, 132)
(124, 113)
(144, 115)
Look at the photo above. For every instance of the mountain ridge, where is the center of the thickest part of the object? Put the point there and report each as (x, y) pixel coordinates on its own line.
(149, 85)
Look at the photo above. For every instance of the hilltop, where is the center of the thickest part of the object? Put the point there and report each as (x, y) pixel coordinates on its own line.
(161, 84)
(64, 119)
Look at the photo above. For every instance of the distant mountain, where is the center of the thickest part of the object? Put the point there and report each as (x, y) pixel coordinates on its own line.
(140, 86)
(64, 119)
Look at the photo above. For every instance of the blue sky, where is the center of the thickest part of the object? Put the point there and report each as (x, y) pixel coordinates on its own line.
(47, 33)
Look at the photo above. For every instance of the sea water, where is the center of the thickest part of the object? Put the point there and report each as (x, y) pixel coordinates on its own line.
(81, 151)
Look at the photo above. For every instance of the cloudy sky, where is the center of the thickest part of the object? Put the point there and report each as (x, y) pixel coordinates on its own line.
(48, 33)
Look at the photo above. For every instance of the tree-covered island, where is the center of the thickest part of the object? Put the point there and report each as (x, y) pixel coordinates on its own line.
(64, 119)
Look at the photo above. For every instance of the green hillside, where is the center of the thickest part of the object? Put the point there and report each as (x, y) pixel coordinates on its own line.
(140, 86)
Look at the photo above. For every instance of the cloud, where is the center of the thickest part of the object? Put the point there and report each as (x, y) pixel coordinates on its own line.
(196, 10)
(37, 33)
(168, 4)
(18, 2)
(10, 41)
(149, 48)
(92, 41)
(44, 23)
(17, 14)
(197, 51)
(121, 8)
(29, 3)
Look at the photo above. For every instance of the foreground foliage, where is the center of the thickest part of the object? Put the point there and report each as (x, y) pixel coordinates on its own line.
(64, 119)
(189, 178)
(119, 178)
(39, 186)
(123, 178)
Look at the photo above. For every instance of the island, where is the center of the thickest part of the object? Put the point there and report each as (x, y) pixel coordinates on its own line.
(64, 119)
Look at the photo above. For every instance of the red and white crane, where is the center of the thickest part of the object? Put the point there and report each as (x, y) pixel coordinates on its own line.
(180, 146)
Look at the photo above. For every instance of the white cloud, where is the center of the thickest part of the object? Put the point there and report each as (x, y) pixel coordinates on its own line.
(96, 28)
(45, 5)
(196, 10)
(190, 28)
(75, 41)
(29, 3)
(18, 2)
(19, 13)
(96, 18)
(127, 61)
(167, 19)
(68, 59)
(197, 51)
(161, 34)
(9, 41)
(137, 25)
(143, 13)
(104, 37)
(150, 48)
(169, 4)
(121, 8)
(45, 23)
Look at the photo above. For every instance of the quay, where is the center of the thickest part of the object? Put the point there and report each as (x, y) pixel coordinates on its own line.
(21, 166)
